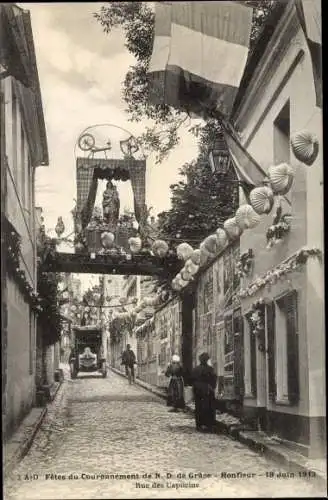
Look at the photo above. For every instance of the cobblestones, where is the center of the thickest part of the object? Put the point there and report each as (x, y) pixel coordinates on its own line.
(104, 427)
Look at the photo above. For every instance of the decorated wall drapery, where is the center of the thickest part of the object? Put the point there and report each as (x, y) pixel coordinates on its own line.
(89, 170)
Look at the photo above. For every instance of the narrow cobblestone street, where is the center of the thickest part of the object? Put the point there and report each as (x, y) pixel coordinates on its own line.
(98, 428)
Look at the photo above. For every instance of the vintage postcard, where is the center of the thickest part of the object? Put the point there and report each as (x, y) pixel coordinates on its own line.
(162, 267)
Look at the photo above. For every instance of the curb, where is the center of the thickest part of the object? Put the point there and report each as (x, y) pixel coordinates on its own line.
(268, 451)
(21, 448)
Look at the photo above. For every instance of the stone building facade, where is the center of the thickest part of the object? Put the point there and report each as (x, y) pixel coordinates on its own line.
(23, 149)
(285, 370)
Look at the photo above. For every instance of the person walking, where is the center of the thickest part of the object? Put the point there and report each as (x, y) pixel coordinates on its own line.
(175, 396)
(203, 379)
(129, 360)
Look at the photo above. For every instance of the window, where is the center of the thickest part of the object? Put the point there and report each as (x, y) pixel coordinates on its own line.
(253, 363)
(281, 137)
(15, 138)
(289, 331)
(23, 167)
(271, 347)
(31, 349)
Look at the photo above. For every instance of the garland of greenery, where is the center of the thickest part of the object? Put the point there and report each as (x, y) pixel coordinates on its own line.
(13, 251)
(294, 262)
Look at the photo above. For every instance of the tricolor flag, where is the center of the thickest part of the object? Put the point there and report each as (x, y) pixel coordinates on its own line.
(247, 169)
(309, 13)
(199, 54)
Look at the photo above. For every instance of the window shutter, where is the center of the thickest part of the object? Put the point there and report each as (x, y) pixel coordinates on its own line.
(292, 347)
(271, 326)
(253, 358)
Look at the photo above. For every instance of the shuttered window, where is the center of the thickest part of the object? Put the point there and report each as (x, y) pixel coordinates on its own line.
(290, 306)
(271, 348)
(253, 365)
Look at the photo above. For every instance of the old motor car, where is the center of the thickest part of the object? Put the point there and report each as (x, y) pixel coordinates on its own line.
(89, 351)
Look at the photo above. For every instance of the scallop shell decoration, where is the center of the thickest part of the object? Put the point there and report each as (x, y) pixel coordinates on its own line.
(160, 248)
(262, 199)
(195, 257)
(305, 146)
(184, 251)
(221, 238)
(281, 178)
(246, 217)
(232, 229)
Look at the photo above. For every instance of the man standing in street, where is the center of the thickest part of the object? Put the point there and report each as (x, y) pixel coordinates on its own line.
(129, 360)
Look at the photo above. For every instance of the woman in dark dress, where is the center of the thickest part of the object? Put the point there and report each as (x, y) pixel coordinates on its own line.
(203, 380)
(175, 392)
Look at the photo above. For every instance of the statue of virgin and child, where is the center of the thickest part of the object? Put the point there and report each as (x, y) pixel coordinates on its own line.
(111, 205)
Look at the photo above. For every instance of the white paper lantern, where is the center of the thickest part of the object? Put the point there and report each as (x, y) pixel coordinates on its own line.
(205, 256)
(185, 275)
(107, 239)
(221, 238)
(305, 146)
(262, 199)
(135, 244)
(184, 251)
(191, 267)
(281, 178)
(160, 248)
(232, 229)
(246, 217)
(195, 256)
(211, 245)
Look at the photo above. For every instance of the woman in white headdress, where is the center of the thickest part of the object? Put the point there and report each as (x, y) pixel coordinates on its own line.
(175, 392)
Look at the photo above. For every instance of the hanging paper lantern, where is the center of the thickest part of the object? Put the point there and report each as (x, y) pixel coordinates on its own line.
(232, 229)
(73, 308)
(107, 239)
(195, 257)
(305, 146)
(205, 256)
(281, 178)
(160, 248)
(262, 199)
(246, 217)
(184, 251)
(185, 275)
(175, 285)
(191, 268)
(87, 309)
(181, 281)
(135, 244)
(211, 245)
(221, 238)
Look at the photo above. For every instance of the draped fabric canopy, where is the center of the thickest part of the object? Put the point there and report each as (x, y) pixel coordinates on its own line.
(89, 170)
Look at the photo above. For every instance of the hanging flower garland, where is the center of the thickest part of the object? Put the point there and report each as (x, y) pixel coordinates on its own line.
(19, 275)
(279, 229)
(244, 265)
(257, 321)
(271, 277)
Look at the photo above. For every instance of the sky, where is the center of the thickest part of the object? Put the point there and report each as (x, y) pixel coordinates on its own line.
(81, 70)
